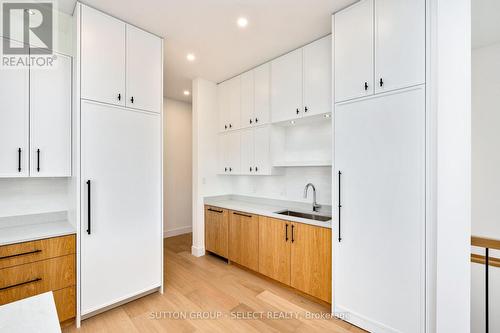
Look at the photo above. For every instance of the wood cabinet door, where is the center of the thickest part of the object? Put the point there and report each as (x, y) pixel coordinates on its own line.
(274, 248)
(311, 260)
(14, 120)
(50, 123)
(318, 77)
(286, 86)
(353, 52)
(144, 70)
(247, 99)
(244, 239)
(102, 57)
(217, 230)
(399, 44)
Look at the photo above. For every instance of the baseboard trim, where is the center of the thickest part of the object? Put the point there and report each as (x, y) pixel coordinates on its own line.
(197, 251)
(177, 232)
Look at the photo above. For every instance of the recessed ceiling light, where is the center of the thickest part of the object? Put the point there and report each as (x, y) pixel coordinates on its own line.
(242, 22)
(190, 57)
(186, 93)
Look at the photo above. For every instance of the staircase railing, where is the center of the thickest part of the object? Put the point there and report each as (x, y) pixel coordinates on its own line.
(487, 261)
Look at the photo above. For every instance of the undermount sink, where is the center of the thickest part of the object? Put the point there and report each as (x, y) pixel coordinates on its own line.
(308, 216)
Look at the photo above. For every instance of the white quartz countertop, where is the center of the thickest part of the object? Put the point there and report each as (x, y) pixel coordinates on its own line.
(269, 207)
(18, 229)
(35, 314)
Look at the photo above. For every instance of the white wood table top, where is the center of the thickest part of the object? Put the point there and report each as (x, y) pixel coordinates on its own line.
(35, 314)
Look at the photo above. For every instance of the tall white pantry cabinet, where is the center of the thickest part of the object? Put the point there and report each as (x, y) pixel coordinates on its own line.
(119, 90)
(380, 165)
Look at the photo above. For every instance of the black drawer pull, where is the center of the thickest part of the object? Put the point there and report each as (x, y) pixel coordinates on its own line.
(20, 254)
(19, 159)
(38, 160)
(241, 214)
(293, 240)
(215, 210)
(286, 232)
(21, 284)
(340, 207)
(89, 208)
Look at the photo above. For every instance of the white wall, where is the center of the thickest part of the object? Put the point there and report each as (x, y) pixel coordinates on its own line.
(177, 174)
(24, 196)
(485, 177)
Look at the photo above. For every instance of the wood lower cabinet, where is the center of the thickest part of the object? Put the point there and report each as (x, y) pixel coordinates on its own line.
(31, 268)
(244, 239)
(217, 231)
(311, 260)
(274, 249)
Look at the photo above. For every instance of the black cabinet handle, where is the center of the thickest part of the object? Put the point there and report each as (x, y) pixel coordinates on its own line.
(306, 109)
(19, 159)
(250, 121)
(21, 284)
(251, 169)
(20, 254)
(256, 169)
(381, 82)
(132, 99)
(119, 97)
(89, 210)
(215, 210)
(225, 126)
(286, 232)
(366, 86)
(256, 120)
(340, 207)
(230, 169)
(38, 160)
(230, 126)
(293, 240)
(297, 111)
(241, 214)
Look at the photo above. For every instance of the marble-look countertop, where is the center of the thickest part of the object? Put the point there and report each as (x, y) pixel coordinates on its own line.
(25, 228)
(29, 315)
(269, 208)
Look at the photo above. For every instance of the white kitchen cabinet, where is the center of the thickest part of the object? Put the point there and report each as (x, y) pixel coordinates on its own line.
(144, 70)
(380, 152)
(399, 44)
(14, 121)
(121, 238)
(50, 119)
(262, 150)
(223, 106)
(247, 151)
(353, 51)
(262, 91)
(286, 86)
(317, 77)
(102, 57)
(229, 104)
(247, 99)
(229, 153)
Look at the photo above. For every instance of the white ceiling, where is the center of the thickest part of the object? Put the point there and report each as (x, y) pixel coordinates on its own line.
(485, 22)
(208, 29)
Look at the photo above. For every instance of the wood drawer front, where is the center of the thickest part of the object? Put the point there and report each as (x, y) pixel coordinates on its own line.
(27, 252)
(65, 303)
(36, 278)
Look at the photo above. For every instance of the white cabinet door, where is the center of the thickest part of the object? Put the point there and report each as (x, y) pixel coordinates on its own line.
(50, 121)
(286, 86)
(353, 55)
(144, 70)
(262, 78)
(233, 146)
(247, 99)
(222, 154)
(121, 156)
(399, 44)
(262, 156)
(247, 152)
(380, 260)
(223, 106)
(234, 102)
(102, 57)
(318, 77)
(14, 121)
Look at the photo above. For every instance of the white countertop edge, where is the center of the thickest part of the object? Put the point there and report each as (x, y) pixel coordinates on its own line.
(264, 207)
(32, 232)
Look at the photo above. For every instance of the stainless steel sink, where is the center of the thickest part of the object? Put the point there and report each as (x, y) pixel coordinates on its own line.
(308, 216)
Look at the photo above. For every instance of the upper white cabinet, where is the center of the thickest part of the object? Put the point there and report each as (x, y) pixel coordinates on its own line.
(102, 57)
(229, 104)
(229, 153)
(14, 122)
(301, 82)
(379, 47)
(399, 44)
(262, 98)
(50, 119)
(353, 51)
(144, 70)
(120, 64)
(286, 86)
(247, 99)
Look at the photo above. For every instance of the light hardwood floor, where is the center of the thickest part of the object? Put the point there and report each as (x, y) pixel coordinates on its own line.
(208, 286)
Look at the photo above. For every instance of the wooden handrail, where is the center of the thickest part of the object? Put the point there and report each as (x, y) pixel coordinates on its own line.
(487, 243)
